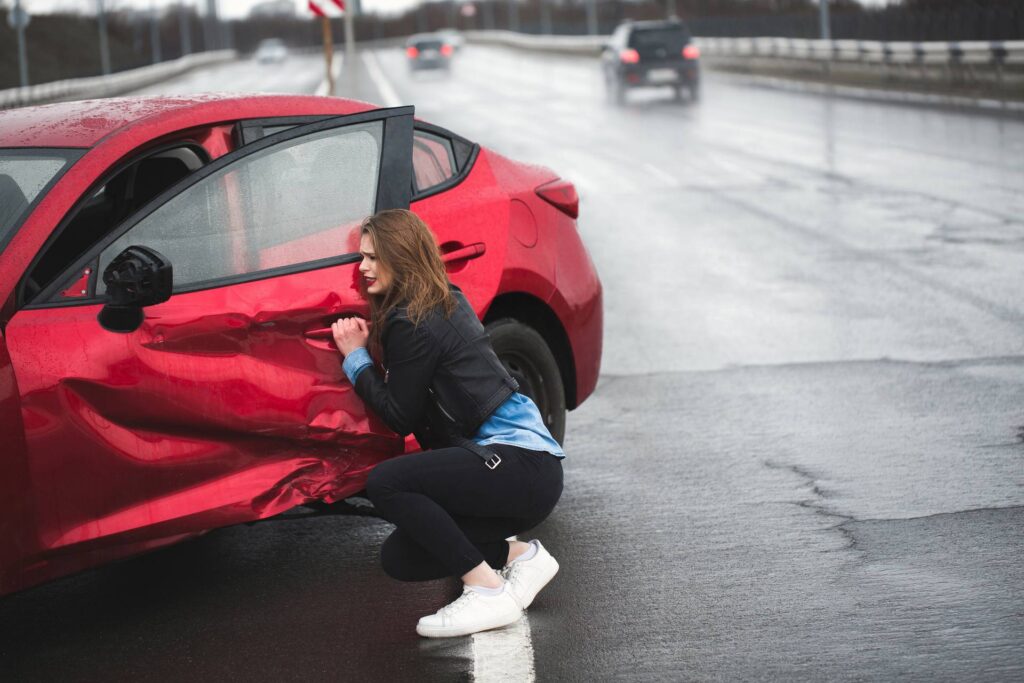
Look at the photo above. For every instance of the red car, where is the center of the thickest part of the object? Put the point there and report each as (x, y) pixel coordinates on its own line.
(169, 269)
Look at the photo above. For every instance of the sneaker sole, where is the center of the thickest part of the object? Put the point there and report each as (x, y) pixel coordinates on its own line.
(546, 581)
(455, 631)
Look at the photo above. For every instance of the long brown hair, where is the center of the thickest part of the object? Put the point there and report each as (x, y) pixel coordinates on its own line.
(408, 252)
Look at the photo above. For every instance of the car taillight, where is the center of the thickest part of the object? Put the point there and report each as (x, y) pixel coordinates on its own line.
(446, 50)
(561, 194)
(411, 52)
(691, 52)
(629, 56)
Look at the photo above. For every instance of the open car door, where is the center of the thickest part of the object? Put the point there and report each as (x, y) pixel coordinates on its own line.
(228, 402)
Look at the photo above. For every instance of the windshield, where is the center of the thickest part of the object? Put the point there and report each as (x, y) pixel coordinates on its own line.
(24, 176)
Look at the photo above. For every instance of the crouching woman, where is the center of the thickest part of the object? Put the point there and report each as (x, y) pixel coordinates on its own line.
(492, 470)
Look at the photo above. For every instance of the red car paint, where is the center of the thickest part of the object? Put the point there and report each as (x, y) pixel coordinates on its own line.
(229, 404)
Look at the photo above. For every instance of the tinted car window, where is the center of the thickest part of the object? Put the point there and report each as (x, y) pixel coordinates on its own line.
(287, 204)
(433, 160)
(670, 39)
(429, 44)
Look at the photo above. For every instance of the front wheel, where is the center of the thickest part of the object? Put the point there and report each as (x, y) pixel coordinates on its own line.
(526, 357)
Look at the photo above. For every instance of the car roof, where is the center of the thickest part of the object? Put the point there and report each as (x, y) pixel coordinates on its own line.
(421, 37)
(84, 123)
(657, 24)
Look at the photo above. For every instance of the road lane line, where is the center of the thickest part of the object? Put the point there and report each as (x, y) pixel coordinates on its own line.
(387, 93)
(504, 655)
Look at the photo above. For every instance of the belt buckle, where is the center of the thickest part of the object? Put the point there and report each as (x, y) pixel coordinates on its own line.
(493, 462)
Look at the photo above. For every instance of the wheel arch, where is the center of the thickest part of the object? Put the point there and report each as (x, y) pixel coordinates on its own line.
(533, 312)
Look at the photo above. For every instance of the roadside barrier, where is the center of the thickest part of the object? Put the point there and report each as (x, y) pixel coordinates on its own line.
(999, 64)
(107, 86)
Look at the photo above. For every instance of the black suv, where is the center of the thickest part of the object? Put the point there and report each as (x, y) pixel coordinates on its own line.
(651, 54)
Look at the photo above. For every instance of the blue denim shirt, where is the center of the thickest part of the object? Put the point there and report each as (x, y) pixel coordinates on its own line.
(516, 422)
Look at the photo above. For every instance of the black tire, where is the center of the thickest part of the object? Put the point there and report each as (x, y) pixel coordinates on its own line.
(526, 356)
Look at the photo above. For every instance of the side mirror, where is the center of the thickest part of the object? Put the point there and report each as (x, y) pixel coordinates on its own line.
(136, 278)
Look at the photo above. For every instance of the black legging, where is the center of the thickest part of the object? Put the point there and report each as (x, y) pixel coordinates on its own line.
(453, 513)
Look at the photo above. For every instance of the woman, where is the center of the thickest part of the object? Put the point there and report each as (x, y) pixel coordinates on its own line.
(493, 470)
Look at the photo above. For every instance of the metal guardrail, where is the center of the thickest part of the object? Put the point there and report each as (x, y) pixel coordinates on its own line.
(106, 86)
(1007, 53)
(870, 52)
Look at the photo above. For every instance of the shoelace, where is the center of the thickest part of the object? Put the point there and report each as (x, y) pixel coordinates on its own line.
(510, 572)
(467, 597)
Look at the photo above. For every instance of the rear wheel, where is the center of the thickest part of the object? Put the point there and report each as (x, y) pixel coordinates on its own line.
(526, 356)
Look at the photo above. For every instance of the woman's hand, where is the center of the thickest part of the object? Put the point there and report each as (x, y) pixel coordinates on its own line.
(350, 334)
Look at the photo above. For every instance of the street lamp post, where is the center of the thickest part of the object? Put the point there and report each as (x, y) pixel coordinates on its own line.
(184, 29)
(101, 18)
(18, 19)
(545, 17)
(154, 33)
(826, 29)
(592, 17)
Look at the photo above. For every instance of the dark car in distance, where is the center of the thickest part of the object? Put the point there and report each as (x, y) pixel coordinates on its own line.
(429, 51)
(643, 54)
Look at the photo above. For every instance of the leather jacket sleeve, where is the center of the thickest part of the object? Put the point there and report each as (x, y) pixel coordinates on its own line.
(401, 397)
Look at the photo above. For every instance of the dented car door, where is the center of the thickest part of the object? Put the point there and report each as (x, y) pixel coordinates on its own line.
(228, 402)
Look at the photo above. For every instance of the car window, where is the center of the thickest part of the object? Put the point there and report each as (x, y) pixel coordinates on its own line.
(433, 160)
(23, 176)
(121, 195)
(671, 39)
(290, 203)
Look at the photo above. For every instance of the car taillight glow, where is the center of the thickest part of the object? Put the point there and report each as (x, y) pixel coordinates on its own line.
(447, 50)
(629, 56)
(691, 52)
(561, 194)
(411, 52)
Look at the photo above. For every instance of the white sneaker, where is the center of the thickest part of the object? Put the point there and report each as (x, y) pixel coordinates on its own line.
(525, 578)
(471, 613)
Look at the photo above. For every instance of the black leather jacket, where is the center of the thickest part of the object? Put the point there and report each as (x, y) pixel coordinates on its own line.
(442, 378)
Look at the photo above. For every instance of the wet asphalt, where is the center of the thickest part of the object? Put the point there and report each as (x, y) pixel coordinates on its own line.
(804, 459)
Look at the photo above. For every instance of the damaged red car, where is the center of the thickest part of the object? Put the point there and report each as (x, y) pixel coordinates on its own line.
(169, 269)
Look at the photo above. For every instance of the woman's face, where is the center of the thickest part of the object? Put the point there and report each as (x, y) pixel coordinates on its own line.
(376, 276)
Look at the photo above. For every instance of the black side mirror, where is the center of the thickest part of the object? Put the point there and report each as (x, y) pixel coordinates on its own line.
(137, 277)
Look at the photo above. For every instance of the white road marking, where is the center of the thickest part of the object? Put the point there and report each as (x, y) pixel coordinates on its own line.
(504, 655)
(658, 173)
(387, 92)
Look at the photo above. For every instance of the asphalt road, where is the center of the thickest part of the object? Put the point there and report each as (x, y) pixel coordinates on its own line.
(804, 460)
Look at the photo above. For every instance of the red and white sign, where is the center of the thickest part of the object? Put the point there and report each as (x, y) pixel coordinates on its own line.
(327, 8)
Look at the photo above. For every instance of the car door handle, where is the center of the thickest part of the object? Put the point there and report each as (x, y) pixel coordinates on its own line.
(465, 253)
(325, 333)
(319, 333)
